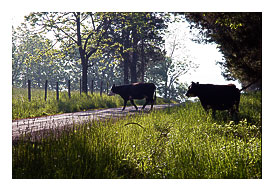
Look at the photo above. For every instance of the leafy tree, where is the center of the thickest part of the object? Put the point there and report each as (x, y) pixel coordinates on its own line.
(86, 31)
(139, 37)
(34, 58)
(17, 60)
(239, 36)
(128, 37)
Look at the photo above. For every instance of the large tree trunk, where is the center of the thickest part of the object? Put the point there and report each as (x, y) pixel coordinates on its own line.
(126, 68)
(85, 77)
(125, 55)
(84, 59)
(135, 57)
(142, 60)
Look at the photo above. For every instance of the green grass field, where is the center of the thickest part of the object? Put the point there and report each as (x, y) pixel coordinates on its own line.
(22, 108)
(180, 142)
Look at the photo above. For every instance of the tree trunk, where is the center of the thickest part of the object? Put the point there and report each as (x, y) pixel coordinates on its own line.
(142, 60)
(84, 59)
(126, 68)
(135, 57)
(166, 86)
(85, 77)
(125, 55)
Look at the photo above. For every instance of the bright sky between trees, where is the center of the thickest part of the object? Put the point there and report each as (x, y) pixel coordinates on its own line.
(204, 55)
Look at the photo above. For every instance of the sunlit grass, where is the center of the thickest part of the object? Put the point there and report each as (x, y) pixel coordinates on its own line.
(180, 142)
(22, 108)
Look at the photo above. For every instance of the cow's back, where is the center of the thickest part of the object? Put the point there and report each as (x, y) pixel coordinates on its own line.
(142, 90)
(218, 96)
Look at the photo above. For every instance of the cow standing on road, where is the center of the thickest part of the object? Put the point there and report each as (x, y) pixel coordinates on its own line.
(135, 91)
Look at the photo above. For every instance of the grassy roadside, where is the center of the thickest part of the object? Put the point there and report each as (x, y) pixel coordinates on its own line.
(180, 142)
(22, 108)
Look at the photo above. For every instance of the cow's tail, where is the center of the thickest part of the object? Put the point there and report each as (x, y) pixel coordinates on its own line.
(248, 85)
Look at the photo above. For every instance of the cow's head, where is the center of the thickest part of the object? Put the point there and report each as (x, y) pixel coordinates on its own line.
(193, 90)
(113, 90)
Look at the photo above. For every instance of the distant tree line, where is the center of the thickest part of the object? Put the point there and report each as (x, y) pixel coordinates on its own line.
(118, 48)
(124, 48)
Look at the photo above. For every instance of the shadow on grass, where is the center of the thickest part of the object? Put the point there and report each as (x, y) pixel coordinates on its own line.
(71, 158)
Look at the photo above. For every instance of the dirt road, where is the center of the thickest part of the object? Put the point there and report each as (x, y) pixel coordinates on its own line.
(31, 125)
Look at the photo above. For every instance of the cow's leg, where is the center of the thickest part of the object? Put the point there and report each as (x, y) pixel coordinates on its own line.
(213, 113)
(125, 102)
(152, 103)
(146, 102)
(237, 105)
(205, 108)
(133, 103)
(234, 113)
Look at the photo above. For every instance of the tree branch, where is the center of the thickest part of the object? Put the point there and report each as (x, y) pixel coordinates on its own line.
(93, 22)
(105, 27)
(86, 41)
(67, 35)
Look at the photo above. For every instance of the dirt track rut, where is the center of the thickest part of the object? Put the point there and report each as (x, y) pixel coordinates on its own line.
(24, 126)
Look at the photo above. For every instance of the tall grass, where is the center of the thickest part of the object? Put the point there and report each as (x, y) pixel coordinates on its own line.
(180, 142)
(22, 108)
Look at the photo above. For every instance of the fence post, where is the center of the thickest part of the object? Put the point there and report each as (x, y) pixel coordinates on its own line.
(101, 86)
(46, 87)
(92, 87)
(80, 86)
(57, 91)
(29, 90)
(107, 88)
(69, 89)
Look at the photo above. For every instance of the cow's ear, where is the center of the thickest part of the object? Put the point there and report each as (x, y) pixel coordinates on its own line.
(197, 83)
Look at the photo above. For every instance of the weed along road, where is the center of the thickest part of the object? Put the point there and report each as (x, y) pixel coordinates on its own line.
(32, 125)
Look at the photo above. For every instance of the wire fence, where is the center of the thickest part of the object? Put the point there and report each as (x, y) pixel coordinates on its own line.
(102, 86)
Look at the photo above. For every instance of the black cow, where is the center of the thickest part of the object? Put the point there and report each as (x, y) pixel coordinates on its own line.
(135, 91)
(216, 97)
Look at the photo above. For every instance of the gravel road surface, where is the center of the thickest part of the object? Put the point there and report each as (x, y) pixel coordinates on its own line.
(31, 125)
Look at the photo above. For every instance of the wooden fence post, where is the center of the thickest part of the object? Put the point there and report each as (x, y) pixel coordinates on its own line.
(69, 89)
(80, 86)
(92, 87)
(29, 90)
(46, 87)
(107, 88)
(57, 91)
(101, 87)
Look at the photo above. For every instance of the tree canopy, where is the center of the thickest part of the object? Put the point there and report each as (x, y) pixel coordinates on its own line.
(239, 38)
(128, 37)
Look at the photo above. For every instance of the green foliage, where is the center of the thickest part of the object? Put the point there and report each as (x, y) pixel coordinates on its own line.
(166, 74)
(34, 58)
(181, 142)
(138, 34)
(239, 36)
(93, 45)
